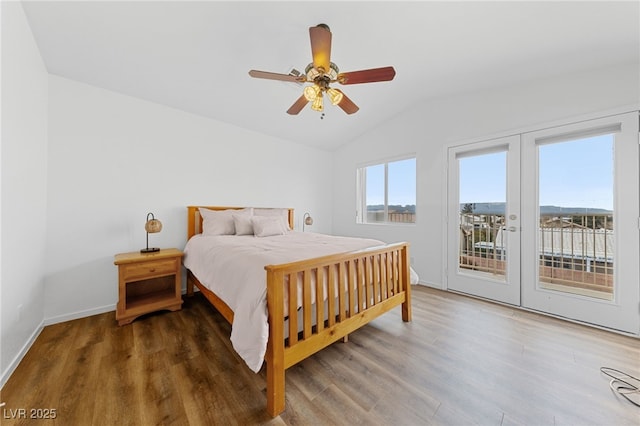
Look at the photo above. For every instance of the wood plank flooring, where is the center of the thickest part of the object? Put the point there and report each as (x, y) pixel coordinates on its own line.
(460, 361)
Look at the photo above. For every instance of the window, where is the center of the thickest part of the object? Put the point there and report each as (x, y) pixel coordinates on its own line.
(387, 192)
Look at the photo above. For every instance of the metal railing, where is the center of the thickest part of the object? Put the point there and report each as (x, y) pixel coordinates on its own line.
(377, 216)
(576, 251)
(481, 246)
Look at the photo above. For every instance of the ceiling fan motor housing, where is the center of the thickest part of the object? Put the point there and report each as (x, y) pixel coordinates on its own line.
(317, 75)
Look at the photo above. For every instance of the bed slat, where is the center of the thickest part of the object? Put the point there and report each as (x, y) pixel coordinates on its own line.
(319, 300)
(383, 276)
(306, 304)
(342, 273)
(368, 279)
(331, 291)
(293, 309)
(388, 258)
(351, 283)
(395, 273)
(361, 286)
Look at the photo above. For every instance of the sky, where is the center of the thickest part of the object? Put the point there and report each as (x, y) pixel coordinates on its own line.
(402, 183)
(576, 173)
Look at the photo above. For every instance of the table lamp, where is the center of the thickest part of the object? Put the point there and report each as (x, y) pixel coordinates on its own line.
(152, 226)
(306, 220)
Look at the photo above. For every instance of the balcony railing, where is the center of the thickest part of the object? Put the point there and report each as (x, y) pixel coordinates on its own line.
(481, 246)
(376, 216)
(576, 252)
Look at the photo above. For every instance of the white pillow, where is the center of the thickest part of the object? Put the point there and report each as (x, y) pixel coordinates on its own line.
(283, 213)
(220, 222)
(243, 224)
(266, 226)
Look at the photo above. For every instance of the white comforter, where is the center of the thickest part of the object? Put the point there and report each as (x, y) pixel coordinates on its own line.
(233, 268)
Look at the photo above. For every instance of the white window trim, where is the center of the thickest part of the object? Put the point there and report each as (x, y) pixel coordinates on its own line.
(361, 187)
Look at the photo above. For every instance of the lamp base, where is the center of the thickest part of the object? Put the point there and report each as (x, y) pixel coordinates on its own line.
(149, 250)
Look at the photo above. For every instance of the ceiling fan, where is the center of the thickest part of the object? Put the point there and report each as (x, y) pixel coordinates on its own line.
(322, 72)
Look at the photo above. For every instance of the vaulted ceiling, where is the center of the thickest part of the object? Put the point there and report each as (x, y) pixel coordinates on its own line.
(194, 56)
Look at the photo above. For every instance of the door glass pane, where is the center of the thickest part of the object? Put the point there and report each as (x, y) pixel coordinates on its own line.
(483, 189)
(576, 235)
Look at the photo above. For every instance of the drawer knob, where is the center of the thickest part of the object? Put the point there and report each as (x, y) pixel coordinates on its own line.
(152, 270)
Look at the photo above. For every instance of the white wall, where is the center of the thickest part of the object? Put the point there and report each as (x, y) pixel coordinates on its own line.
(114, 158)
(430, 126)
(24, 172)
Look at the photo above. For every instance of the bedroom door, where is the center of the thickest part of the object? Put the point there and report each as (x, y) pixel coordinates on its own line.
(483, 219)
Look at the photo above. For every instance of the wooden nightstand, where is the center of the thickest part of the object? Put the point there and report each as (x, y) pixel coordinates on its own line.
(148, 282)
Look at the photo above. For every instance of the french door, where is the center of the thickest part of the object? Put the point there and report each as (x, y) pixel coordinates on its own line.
(549, 220)
(580, 212)
(484, 219)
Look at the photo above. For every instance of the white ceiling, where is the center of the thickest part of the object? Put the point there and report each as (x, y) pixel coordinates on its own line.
(195, 56)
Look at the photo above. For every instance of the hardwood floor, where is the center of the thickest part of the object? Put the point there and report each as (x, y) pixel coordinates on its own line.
(460, 361)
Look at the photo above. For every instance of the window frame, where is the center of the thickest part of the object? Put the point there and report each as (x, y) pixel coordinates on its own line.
(361, 190)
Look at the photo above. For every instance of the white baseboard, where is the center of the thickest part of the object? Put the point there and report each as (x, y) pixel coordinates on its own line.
(432, 285)
(79, 314)
(23, 351)
(87, 313)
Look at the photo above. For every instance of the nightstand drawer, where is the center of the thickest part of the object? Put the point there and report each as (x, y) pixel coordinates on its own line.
(147, 269)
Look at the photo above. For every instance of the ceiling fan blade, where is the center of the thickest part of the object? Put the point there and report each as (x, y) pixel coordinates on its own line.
(346, 104)
(367, 76)
(297, 105)
(321, 46)
(276, 76)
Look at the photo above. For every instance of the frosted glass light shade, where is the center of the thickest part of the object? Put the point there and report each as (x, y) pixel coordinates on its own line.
(335, 96)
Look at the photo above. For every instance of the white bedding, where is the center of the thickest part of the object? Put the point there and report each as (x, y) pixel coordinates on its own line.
(232, 266)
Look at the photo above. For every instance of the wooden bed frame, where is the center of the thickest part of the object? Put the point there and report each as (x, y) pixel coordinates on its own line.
(378, 278)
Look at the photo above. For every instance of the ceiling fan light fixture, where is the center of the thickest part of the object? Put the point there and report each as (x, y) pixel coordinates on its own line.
(317, 103)
(311, 92)
(335, 96)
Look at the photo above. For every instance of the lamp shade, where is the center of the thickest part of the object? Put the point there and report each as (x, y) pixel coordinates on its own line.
(335, 96)
(311, 92)
(307, 220)
(317, 103)
(152, 226)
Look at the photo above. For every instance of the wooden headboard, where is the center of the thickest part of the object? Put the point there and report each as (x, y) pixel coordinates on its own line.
(194, 219)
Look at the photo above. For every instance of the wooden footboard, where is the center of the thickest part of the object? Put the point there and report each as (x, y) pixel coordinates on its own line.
(359, 286)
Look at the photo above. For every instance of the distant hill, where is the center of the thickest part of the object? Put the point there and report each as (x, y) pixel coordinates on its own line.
(498, 208)
(409, 208)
